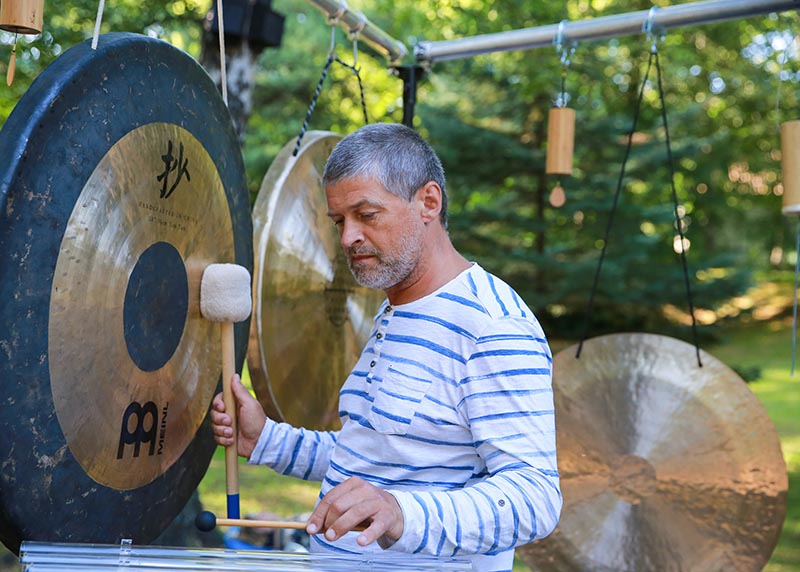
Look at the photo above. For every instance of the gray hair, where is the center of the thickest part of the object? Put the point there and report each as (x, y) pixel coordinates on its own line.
(392, 154)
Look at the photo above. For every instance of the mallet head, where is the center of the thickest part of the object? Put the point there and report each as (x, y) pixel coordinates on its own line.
(225, 293)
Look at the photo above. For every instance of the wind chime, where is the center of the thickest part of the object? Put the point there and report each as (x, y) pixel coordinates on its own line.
(20, 17)
(561, 124)
(790, 167)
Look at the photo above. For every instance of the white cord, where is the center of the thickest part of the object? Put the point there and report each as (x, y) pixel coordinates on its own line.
(782, 62)
(97, 21)
(223, 76)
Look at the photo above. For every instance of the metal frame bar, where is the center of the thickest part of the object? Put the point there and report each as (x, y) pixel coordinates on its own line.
(604, 27)
(355, 23)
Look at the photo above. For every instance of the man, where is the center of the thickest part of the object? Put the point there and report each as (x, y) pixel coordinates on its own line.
(447, 445)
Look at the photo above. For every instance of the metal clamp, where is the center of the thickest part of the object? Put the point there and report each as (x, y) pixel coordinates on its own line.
(564, 48)
(654, 32)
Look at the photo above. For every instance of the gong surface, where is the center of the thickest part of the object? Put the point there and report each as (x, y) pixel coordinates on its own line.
(310, 318)
(665, 465)
(124, 181)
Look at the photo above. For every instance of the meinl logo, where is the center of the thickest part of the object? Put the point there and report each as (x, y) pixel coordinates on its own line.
(140, 425)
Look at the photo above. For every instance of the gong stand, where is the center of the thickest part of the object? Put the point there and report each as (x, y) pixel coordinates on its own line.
(332, 57)
(410, 76)
(652, 58)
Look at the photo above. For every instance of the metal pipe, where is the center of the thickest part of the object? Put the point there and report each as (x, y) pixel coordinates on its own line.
(356, 23)
(603, 27)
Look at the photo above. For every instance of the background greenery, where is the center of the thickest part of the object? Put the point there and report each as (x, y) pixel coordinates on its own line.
(727, 87)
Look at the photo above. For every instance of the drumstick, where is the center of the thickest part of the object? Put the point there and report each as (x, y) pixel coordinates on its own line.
(206, 521)
(226, 297)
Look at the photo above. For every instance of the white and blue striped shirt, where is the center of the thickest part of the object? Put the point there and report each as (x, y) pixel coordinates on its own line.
(449, 408)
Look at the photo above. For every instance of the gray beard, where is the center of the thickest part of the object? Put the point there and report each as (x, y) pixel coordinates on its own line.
(390, 270)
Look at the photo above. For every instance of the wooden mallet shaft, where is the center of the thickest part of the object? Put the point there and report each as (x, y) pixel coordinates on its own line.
(226, 297)
(207, 521)
(232, 451)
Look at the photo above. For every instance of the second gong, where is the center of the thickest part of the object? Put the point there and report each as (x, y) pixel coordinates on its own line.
(310, 318)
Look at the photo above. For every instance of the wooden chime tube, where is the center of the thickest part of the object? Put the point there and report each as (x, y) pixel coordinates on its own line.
(560, 141)
(790, 166)
(21, 16)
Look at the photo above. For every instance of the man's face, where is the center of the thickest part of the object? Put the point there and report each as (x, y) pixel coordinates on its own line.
(381, 234)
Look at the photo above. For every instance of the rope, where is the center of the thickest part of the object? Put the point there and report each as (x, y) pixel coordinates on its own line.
(782, 62)
(653, 57)
(610, 223)
(684, 263)
(313, 104)
(98, 19)
(356, 71)
(223, 76)
(332, 58)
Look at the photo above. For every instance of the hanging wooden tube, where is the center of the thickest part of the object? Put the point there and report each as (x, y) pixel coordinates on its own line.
(12, 66)
(21, 16)
(790, 166)
(560, 141)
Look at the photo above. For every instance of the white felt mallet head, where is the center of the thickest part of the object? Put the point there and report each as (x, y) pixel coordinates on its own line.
(225, 293)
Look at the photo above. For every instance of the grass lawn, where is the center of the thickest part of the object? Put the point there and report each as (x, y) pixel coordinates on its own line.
(768, 346)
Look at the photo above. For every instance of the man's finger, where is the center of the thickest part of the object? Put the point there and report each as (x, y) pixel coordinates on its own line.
(325, 513)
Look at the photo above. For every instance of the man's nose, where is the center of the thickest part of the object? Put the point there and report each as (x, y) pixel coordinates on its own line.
(351, 234)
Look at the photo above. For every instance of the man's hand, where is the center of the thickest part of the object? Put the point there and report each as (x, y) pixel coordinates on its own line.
(250, 419)
(354, 502)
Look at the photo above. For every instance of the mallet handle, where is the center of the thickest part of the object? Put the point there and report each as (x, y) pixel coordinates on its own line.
(267, 523)
(260, 523)
(232, 451)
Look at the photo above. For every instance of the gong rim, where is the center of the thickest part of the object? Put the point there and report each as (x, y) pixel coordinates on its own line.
(310, 318)
(82, 105)
(664, 464)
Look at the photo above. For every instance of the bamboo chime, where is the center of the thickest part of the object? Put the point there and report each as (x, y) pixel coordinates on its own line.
(20, 17)
(560, 146)
(790, 168)
(560, 125)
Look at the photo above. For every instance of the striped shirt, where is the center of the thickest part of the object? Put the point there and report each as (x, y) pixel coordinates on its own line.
(450, 409)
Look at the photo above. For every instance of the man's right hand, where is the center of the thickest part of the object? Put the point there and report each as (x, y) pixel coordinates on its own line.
(250, 418)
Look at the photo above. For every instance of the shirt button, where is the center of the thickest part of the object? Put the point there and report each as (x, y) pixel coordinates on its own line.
(387, 310)
(501, 502)
(379, 336)
(372, 363)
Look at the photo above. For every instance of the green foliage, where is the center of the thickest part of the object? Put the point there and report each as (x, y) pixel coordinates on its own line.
(487, 116)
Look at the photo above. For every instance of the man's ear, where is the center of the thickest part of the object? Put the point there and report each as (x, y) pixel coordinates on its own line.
(429, 200)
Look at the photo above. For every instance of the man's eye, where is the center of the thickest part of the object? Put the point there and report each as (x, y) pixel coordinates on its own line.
(367, 216)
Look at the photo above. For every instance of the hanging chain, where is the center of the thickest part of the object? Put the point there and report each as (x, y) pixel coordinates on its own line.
(653, 57)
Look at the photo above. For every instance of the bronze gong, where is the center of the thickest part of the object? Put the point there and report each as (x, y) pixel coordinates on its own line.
(125, 181)
(665, 466)
(310, 318)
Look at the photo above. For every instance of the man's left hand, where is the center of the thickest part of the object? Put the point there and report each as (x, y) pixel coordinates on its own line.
(352, 503)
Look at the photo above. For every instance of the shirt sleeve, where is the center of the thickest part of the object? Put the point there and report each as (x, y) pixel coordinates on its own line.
(294, 451)
(507, 398)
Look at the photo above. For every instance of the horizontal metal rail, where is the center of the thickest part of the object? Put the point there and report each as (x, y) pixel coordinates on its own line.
(692, 13)
(356, 23)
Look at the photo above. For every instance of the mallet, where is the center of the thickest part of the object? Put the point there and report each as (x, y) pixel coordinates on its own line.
(206, 521)
(226, 297)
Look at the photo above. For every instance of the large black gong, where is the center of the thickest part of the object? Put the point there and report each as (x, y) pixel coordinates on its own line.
(121, 180)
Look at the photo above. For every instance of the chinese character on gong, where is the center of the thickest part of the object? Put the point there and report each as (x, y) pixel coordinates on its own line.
(172, 164)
